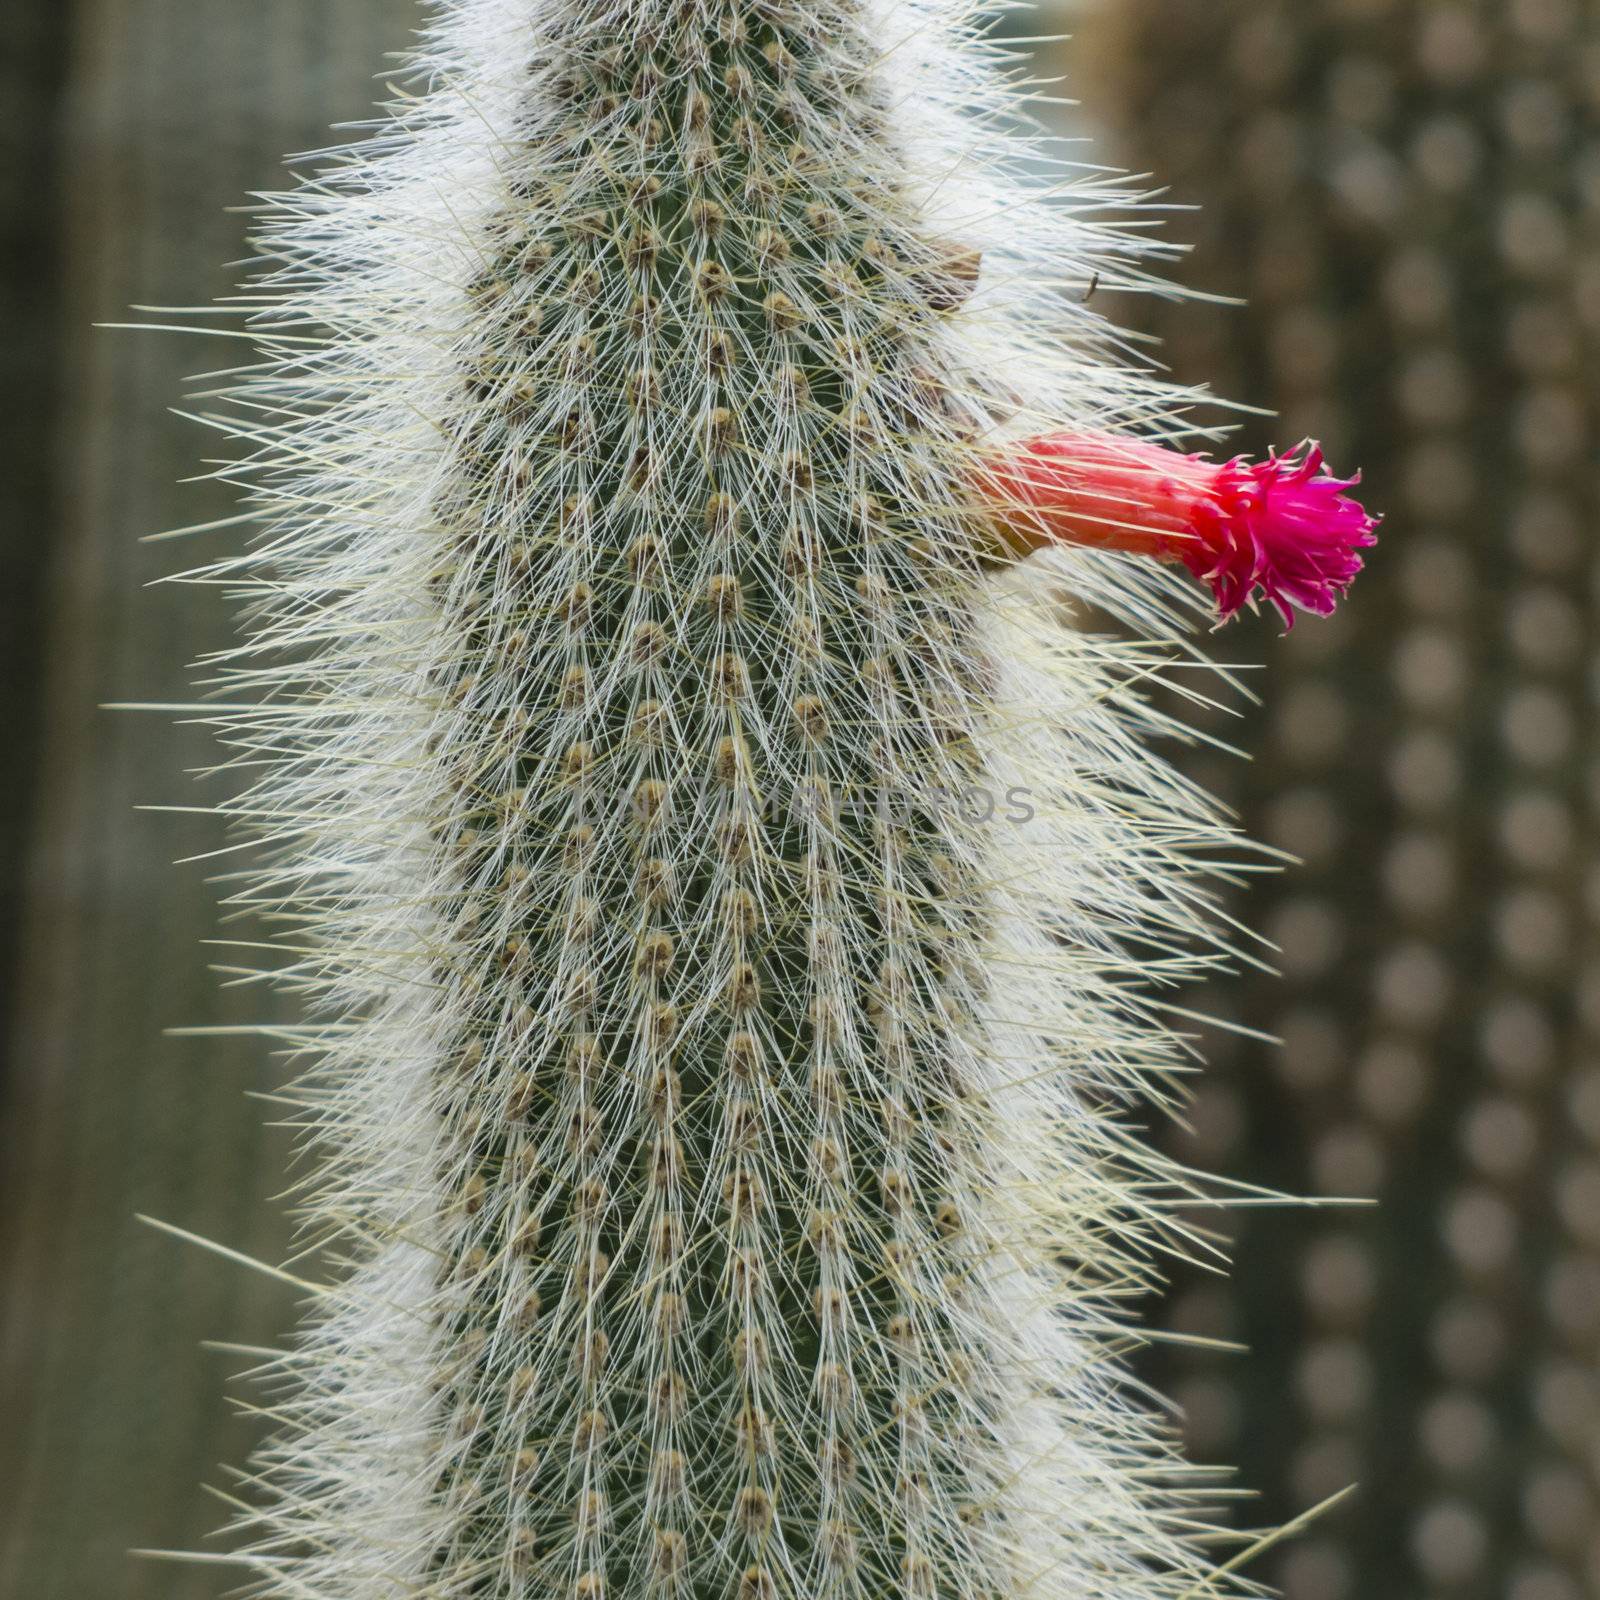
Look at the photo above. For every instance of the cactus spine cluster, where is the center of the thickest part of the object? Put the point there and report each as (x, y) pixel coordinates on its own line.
(730, 914)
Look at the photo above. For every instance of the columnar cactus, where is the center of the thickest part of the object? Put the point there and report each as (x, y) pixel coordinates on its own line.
(1431, 300)
(732, 913)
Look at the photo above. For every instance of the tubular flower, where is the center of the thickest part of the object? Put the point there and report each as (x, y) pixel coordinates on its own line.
(1284, 526)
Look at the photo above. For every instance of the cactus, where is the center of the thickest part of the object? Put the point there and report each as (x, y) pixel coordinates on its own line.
(732, 914)
(1432, 769)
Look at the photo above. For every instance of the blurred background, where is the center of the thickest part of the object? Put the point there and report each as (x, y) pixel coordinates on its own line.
(1407, 194)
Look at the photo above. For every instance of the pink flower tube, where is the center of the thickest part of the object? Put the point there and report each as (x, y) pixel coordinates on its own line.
(1284, 526)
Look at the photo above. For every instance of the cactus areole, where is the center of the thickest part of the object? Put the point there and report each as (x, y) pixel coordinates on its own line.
(733, 916)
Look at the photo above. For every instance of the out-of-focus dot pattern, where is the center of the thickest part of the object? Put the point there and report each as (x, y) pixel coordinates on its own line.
(1408, 194)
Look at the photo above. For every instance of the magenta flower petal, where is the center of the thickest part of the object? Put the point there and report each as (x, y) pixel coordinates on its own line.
(1284, 526)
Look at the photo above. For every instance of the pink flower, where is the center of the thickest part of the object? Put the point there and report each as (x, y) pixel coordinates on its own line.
(1284, 526)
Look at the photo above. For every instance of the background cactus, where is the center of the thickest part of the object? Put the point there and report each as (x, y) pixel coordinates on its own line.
(130, 126)
(730, 917)
(1405, 194)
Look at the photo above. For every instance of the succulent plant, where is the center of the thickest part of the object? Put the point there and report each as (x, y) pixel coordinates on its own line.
(1439, 1345)
(733, 910)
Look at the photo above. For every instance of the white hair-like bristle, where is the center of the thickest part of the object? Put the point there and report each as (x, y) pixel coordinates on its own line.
(733, 918)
